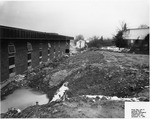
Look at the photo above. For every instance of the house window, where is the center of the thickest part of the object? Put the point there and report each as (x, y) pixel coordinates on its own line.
(58, 53)
(11, 49)
(67, 51)
(59, 50)
(67, 42)
(29, 55)
(40, 58)
(29, 46)
(29, 60)
(132, 41)
(11, 72)
(59, 44)
(49, 46)
(11, 59)
(40, 53)
(48, 52)
(54, 53)
(40, 46)
(29, 65)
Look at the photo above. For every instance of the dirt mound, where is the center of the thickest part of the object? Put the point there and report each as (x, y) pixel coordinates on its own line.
(106, 80)
(82, 59)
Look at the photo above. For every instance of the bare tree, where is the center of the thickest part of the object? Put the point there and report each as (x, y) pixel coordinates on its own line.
(78, 37)
(118, 38)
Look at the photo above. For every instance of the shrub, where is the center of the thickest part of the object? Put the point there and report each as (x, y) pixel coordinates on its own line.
(100, 43)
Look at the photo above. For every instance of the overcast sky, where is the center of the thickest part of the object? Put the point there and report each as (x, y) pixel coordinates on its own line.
(73, 17)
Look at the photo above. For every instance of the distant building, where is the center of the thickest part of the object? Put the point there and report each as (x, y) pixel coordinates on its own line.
(136, 34)
(81, 44)
(22, 49)
(72, 47)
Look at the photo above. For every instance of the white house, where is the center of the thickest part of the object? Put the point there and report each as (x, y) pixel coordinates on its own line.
(135, 34)
(81, 44)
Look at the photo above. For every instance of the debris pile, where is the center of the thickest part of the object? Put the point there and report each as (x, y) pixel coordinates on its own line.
(11, 113)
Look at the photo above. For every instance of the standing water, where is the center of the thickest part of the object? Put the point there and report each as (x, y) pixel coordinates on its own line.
(23, 98)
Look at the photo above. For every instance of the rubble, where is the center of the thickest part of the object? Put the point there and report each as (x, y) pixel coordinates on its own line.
(19, 77)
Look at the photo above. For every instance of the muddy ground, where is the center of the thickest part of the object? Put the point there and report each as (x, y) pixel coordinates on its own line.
(93, 72)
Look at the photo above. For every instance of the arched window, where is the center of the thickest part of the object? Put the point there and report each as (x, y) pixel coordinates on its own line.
(11, 48)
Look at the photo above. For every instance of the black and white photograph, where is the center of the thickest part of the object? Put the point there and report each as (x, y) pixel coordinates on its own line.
(74, 59)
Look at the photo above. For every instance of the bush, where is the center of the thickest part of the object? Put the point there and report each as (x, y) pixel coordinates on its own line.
(100, 43)
(119, 41)
(141, 46)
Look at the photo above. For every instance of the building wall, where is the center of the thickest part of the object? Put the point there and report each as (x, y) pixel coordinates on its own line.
(0, 59)
(56, 48)
(21, 61)
(51, 50)
(20, 38)
(4, 61)
(63, 47)
(67, 46)
(44, 51)
(20, 56)
(35, 53)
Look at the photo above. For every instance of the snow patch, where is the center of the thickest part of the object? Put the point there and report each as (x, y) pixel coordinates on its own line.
(113, 48)
(112, 98)
(60, 92)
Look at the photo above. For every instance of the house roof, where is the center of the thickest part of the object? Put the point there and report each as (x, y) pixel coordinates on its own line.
(136, 33)
(19, 33)
(81, 40)
(138, 28)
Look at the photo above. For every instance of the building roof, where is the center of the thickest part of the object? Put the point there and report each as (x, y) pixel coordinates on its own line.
(138, 28)
(19, 33)
(136, 33)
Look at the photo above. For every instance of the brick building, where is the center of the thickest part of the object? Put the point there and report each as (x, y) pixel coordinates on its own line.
(21, 49)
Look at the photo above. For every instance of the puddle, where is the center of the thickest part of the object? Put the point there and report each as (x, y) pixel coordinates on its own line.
(23, 98)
